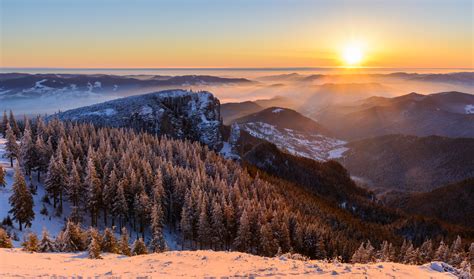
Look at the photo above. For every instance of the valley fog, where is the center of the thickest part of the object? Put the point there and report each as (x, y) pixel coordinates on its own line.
(306, 89)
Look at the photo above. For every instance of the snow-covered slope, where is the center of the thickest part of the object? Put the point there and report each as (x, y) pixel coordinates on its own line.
(177, 113)
(15, 263)
(292, 132)
(52, 223)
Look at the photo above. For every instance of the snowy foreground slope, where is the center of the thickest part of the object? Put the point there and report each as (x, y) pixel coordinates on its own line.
(15, 263)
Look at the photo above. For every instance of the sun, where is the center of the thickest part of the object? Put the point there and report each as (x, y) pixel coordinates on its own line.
(353, 54)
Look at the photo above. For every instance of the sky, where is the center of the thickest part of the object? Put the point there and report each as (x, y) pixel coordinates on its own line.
(235, 33)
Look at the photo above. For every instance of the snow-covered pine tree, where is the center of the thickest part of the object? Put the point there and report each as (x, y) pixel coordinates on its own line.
(359, 255)
(3, 125)
(21, 200)
(243, 241)
(44, 151)
(124, 245)
(465, 270)
(74, 185)
(94, 186)
(27, 152)
(403, 251)
(46, 244)
(382, 255)
(56, 180)
(457, 253)
(268, 245)
(142, 210)
(217, 225)
(204, 227)
(158, 243)
(3, 173)
(11, 146)
(14, 125)
(94, 248)
(471, 253)
(109, 242)
(31, 243)
(442, 252)
(120, 206)
(139, 247)
(426, 251)
(5, 240)
(72, 238)
(411, 255)
(110, 191)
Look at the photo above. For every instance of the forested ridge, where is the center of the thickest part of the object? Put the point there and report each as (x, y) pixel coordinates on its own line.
(120, 178)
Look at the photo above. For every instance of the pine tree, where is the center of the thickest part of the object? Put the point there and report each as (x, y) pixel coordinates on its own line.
(158, 243)
(120, 206)
(465, 270)
(471, 253)
(27, 151)
(3, 125)
(95, 192)
(410, 256)
(426, 251)
(110, 191)
(31, 243)
(74, 185)
(94, 248)
(109, 242)
(457, 252)
(14, 125)
(204, 233)
(43, 155)
(268, 245)
(442, 252)
(359, 255)
(124, 245)
(11, 147)
(383, 254)
(139, 247)
(217, 225)
(56, 179)
(3, 173)
(142, 210)
(5, 240)
(243, 241)
(72, 238)
(46, 244)
(21, 200)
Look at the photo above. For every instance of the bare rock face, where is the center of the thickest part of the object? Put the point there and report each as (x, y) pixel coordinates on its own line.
(176, 113)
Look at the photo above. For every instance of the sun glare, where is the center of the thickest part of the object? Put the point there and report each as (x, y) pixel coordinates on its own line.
(352, 54)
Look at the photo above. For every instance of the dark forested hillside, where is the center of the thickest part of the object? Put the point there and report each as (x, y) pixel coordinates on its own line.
(452, 203)
(409, 163)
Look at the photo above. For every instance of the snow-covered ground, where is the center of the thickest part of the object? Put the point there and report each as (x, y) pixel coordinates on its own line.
(15, 263)
(313, 146)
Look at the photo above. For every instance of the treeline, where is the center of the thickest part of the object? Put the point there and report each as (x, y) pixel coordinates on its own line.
(74, 239)
(117, 178)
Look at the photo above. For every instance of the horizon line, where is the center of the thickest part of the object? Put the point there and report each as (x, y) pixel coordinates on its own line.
(232, 68)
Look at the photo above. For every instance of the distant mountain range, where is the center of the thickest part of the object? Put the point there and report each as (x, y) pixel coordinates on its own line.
(466, 78)
(24, 86)
(448, 114)
(409, 163)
